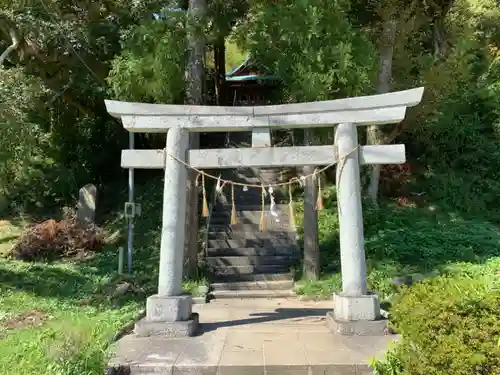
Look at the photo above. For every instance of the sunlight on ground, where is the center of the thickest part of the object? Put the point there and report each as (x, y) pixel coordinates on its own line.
(9, 232)
(403, 241)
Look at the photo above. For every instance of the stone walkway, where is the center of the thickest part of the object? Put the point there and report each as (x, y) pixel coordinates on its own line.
(253, 337)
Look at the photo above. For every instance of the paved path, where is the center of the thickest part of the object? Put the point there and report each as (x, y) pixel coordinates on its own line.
(254, 337)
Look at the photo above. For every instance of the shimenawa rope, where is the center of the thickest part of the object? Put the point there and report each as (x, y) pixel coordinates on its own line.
(294, 180)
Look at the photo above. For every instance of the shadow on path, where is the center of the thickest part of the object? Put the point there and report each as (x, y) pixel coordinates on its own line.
(266, 317)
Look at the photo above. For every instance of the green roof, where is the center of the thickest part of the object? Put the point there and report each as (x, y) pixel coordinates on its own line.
(230, 76)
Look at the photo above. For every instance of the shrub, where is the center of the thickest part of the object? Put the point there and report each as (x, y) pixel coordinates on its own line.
(450, 326)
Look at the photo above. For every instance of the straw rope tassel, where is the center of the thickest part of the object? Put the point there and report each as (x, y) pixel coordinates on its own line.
(262, 225)
(290, 206)
(234, 220)
(204, 211)
(319, 201)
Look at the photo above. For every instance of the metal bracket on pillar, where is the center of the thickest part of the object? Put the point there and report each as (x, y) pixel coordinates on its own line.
(132, 210)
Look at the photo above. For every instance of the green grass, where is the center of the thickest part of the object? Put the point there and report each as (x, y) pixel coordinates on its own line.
(59, 318)
(403, 240)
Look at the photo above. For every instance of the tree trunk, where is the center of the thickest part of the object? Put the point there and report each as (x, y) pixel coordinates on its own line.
(441, 45)
(311, 247)
(220, 71)
(195, 72)
(374, 133)
(437, 12)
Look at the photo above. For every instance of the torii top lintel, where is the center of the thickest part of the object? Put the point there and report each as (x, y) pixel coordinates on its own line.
(361, 110)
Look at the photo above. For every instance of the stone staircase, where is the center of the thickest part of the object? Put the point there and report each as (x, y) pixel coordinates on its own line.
(245, 262)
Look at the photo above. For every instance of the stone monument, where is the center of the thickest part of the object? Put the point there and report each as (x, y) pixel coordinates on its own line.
(87, 199)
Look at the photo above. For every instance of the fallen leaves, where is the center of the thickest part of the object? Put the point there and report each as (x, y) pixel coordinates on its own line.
(53, 239)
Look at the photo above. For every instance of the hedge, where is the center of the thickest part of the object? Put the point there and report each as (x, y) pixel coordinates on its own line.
(449, 325)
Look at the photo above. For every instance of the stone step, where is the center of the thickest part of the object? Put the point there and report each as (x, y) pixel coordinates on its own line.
(245, 270)
(291, 251)
(285, 236)
(262, 277)
(225, 219)
(269, 221)
(254, 285)
(256, 214)
(255, 242)
(253, 199)
(255, 261)
(227, 294)
(241, 209)
(280, 217)
(250, 227)
(253, 208)
(249, 269)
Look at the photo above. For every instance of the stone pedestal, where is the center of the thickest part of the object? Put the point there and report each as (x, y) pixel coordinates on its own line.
(358, 327)
(168, 317)
(357, 315)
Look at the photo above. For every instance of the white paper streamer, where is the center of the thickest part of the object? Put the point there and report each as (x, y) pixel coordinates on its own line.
(273, 211)
(302, 181)
(217, 186)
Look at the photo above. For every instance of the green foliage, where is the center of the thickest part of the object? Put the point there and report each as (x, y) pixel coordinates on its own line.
(454, 132)
(224, 15)
(43, 160)
(311, 46)
(320, 289)
(25, 160)
(151, 65)
(60, 136)
(401, 241)
(450, 325)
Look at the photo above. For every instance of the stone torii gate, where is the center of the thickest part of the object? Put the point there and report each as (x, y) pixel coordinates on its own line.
(356, 311)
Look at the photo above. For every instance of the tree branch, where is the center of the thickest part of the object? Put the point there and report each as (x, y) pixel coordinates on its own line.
(33, 58)
(11, 48)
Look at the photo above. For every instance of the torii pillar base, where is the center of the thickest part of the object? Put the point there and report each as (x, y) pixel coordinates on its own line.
(357, 316)
(168, 316)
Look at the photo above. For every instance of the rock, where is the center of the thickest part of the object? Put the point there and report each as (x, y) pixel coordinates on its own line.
(87, 205)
